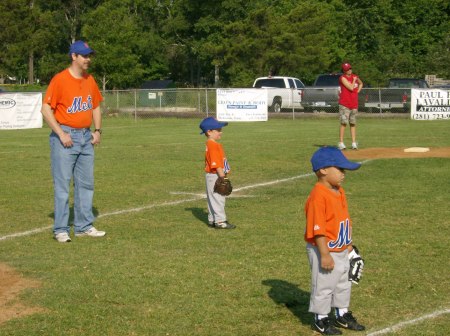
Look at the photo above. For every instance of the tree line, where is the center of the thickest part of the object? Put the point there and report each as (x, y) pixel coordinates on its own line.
(227, 43)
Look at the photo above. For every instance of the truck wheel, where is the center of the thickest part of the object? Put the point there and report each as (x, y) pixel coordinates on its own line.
(276, 106)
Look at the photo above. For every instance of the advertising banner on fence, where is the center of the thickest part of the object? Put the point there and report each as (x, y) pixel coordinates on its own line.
(242, 105)
(20, 110)
(430, 104)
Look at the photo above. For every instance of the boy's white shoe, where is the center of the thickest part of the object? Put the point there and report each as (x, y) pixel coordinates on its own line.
(354, 145)
(341, 146)
(92, 232)
(62, 237)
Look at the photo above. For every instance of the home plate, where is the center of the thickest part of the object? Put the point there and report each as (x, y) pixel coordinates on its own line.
(416, 150)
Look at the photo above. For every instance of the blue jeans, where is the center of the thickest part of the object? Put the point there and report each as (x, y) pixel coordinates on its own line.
(77, 162)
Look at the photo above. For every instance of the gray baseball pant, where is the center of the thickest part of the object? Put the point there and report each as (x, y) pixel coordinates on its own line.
(329, 289)
(216, 202)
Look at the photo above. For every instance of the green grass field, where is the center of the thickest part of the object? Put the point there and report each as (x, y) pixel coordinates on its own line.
(161, 271)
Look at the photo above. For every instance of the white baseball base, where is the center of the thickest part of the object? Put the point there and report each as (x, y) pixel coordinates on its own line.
(416, 150)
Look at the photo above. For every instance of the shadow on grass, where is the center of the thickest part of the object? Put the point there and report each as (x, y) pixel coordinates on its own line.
(199, 213)
(323, 145)
(292, 297)
(71, 214)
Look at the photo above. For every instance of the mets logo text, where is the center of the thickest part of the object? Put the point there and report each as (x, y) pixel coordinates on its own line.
(344, 236)
(6, 103)
(78, 105)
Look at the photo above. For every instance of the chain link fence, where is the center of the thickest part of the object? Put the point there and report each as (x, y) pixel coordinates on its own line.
(138, 104)
(201, 102)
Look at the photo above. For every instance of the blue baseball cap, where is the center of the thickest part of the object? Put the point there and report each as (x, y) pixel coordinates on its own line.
(211, 123)
(331, 157)
(80, 48)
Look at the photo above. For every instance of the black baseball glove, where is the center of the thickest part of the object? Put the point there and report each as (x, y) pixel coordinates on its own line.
(356, 266)
(223, 186)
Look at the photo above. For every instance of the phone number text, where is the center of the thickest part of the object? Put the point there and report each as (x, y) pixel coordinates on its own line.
(430, 116)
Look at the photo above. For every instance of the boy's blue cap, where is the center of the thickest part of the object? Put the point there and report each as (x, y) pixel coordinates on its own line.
(331, 157)
(211, 123)
(80, 48)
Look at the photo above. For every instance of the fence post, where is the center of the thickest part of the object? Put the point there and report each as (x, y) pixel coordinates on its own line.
(199, 104)
(135, 105)
(379, 99)
(206, 102)
(292, 102)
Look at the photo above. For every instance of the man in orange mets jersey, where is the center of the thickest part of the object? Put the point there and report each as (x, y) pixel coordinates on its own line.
(216, 167)
(70, 106)
(329, 243)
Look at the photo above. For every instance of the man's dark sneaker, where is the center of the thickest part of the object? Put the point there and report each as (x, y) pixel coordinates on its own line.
(325, 327)
(347, 321)
(224, 225)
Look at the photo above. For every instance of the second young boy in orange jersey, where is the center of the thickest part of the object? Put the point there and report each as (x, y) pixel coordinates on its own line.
(216, 167)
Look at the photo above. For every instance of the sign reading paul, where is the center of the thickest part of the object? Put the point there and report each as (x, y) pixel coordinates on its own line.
(20, 110)
(241, 105)
(430, 104)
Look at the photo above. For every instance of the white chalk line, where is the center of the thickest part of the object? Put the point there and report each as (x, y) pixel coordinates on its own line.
(204, 195)
(157, 205)
(25, 233)
(200, 196)
(400, 325)
(187, 193)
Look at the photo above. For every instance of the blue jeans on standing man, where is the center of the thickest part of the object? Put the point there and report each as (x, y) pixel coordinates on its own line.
(77, 162)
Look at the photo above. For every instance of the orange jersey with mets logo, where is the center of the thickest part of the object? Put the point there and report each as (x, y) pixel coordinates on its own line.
(215, 157)
(73, 99)
(327, 215)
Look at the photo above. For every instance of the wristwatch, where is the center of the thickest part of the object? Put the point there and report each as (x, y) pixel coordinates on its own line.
(99, 130)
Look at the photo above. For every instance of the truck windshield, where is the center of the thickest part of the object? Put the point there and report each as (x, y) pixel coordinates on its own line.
(327, 80)
(407, 83)
(270, 82)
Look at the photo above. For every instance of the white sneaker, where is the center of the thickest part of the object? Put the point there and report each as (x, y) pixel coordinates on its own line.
(341, 146)
(354, 145)
(92, 232)
(62, 237)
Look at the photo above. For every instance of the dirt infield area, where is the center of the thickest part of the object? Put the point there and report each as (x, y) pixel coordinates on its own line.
(396, 153)
(11, 285)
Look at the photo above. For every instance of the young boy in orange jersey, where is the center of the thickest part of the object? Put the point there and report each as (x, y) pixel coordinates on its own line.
(329, 243)
(70, 106)
(216, 167)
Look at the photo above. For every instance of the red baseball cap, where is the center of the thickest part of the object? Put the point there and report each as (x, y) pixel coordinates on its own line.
(346, 67)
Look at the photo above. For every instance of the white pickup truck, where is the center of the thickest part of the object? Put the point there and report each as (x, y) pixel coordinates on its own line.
(282, 92)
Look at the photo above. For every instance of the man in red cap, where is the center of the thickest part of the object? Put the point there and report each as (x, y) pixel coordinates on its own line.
(350, 86)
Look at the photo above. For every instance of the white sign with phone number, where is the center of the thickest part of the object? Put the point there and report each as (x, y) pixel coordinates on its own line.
(430, 104)
(241, 105)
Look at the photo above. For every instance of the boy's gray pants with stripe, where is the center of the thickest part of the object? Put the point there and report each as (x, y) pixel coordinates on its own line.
(216, 202)
(329, 289)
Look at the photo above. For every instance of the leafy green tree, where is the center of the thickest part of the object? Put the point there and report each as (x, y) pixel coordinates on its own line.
(296, 42)
(26, 32)
(198, 43)
(397, 38)
(112, 32)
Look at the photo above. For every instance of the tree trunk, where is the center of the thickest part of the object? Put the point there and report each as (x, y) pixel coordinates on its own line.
(216, 76)
(31, 67)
